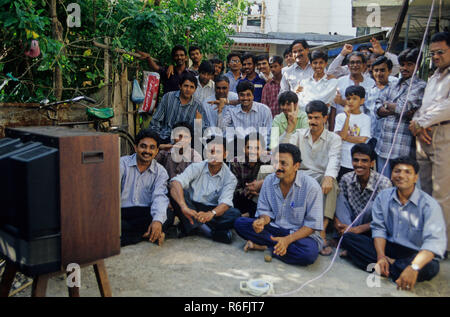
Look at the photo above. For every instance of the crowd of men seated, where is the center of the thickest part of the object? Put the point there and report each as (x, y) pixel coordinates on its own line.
(293, 158)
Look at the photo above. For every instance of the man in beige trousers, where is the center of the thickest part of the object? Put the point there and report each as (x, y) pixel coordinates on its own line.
(431, 125)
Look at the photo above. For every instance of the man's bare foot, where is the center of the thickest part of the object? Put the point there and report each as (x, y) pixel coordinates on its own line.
(161, 239)
(246, 215)
(253, 246)
(343, 254)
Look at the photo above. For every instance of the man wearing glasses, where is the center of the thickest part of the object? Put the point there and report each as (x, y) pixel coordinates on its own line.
(431, 126)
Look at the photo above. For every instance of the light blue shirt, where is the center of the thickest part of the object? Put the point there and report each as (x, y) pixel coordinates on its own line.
(205, 188)
(259, 116)
(148, 188)
(302, 207)
(418, 225)
(233, 82)
(211, 109)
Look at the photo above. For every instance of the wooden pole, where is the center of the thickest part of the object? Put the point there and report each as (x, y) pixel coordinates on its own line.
(106, 72)
(57, 33)
(398, 26)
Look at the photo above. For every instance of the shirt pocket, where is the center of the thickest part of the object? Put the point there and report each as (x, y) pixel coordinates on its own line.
(415, 232)
(297, 215)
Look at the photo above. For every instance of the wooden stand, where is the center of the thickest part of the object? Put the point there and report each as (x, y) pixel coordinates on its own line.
(39, 287)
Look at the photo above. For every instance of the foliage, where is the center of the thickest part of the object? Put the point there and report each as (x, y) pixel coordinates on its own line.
(130, 25)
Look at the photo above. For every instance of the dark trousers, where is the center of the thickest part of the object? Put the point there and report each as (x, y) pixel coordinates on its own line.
(244, 204)
(220, 226)
(135, 222)
(361, 251)
(300, 252)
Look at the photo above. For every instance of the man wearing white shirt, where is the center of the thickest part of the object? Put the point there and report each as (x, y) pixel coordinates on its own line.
(205, 86)
(431, 125)
(301, 69)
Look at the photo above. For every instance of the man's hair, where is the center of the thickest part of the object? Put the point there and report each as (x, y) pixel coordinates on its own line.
(405, 160)
(231, 55)
(194, 48)
(245, 85)
(383, 60)
(255, 136)
(262, 57)
(291, 149)
(316, 106)
(318, 54)
(147, 133)
(222, 78)
(362, 47)
(186, 125)
(287, 51)
(206, 67)
(287, 97)
(410, 55)
(441, 37)
(177, 48)
(303, 42)
(216, 61)
(365, 149)
(217, 139)
(359, 54)
(188, 76)
(355, 91)
(247, 56)
(276, 59)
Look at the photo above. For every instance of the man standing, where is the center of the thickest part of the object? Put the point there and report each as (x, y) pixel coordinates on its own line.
(390, 105)
(196, 57)
(234, 74)
(408, 231)
(248, 116)
(301, 69)
(262, 65)
(431, 124)
(248, 70)
(203, 195)
(356, 188)
(143, 184)
(321, 153)
(272, 87)
(288, 59)
(289, 213)
(170, 82)
(205, 86)
(178, 106)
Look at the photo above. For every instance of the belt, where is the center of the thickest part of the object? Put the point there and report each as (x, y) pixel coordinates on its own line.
(441, 123)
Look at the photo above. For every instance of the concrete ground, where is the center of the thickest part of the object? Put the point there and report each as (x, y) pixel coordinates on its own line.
(197, 267)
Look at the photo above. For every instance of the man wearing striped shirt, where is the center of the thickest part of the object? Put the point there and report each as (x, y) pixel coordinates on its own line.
(178, 106)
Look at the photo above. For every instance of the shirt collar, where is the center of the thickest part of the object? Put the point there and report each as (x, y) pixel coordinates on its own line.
(297, 181)
(177, 94)
(370, 183)
(133, 162)
(206, 170)
(414, 198)
(253, 108)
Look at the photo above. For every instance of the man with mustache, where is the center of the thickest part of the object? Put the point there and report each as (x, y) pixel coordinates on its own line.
(144, 201)
(408, 231)
(389, 106)
(289, 213)
(321, 154)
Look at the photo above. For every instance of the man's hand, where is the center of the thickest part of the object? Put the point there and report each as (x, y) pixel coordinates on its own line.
(339, 100)
(340, 227)
(383, 265)
(281, 246)
(204, 216)
(327, 184)
(292, 119)
(198, 115)
(220, 104)
(170, 71)
(258, 225)
(154, 231)
(347, 49)
(407, 279)
(299, 89)
(189, 213)
(376, 47)
(144, 55)
(253, 188)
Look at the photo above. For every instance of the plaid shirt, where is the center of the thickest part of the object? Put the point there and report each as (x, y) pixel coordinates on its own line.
(244, 173)
(397, 94)
(270, 96)
(352, 200)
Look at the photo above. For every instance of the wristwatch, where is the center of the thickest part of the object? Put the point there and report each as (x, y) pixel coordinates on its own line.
(415, 267)
(214, 213)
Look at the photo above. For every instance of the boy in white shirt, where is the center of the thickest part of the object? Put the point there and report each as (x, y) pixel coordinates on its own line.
(352, 125)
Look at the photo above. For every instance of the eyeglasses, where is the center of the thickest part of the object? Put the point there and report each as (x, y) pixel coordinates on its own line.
(234, 61)
(438, 52)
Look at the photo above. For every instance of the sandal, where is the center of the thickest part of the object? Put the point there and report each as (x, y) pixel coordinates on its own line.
(326, 249)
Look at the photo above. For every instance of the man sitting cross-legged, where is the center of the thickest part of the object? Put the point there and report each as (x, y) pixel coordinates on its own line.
(290, 213)
(408, 231)
(203, 195)
(144, 201)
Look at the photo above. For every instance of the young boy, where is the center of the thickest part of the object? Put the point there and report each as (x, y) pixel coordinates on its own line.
(352, 125)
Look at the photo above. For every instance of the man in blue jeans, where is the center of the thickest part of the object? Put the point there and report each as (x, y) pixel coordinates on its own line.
(408, 231)
(290, 213)
(203, 195)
